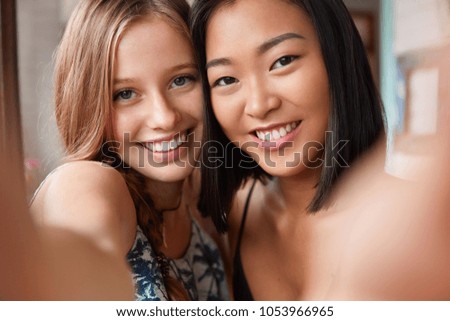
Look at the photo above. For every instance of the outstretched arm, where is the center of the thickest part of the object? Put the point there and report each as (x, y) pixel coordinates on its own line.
(50, 262)
(398, 244)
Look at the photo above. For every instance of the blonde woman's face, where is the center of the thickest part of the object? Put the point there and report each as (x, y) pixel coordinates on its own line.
(157, 101)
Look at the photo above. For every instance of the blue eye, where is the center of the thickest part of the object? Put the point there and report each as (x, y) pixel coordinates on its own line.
(125, 94)
(283, 61)
(181, 81)
(225, 81)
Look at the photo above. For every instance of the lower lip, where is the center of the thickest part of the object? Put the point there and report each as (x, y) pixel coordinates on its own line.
(279, 143)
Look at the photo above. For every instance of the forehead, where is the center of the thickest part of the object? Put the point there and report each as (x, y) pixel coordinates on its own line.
(254, 21)
(152, 39)
(154, 30)
(150, 49)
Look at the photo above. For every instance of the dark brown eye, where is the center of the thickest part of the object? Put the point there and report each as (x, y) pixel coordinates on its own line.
(180, 81)
(283, 61)
(225, 81)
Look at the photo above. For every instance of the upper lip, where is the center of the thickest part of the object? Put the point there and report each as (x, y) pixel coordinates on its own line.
(167, 138)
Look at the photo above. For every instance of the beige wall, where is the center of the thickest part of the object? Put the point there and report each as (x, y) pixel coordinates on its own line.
(39, 29)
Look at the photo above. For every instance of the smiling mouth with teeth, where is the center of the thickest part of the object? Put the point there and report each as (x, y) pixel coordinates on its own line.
(166, 146)
(275, 134)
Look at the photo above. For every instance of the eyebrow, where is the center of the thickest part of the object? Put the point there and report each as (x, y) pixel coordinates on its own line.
(266, 46)
(183, 66)
(218, 62)
(123, 80)
(269, 44)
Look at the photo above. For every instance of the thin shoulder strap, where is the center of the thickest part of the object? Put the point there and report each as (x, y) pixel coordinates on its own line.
(244, 216)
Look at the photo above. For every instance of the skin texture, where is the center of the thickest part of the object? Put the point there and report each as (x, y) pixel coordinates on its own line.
(374, 241)
(86, 206)
(269, 77)
(149, 104)
(156, 99)
(40, 267)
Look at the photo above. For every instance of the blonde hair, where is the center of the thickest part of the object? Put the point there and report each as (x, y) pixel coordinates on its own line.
(84, 67)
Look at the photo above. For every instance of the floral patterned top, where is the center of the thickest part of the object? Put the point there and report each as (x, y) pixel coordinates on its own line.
(201, 269)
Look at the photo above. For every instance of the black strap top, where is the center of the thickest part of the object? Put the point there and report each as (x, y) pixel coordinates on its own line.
(241, 290)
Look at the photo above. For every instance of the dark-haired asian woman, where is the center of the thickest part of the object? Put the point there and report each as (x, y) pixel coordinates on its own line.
(291, 105)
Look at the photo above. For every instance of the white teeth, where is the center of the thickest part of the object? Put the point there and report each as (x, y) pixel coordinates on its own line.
(167, 145)
(276, 134)
(174, 144)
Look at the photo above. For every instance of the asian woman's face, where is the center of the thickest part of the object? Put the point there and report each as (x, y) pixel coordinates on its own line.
(157, 100)
(269, 85)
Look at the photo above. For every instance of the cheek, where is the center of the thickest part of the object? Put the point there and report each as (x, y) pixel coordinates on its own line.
(308, 86)
(318, 117)
(311, 91)
(227, 112)
(323, 104)
(121, 125)
(319, 88)
(190, 104)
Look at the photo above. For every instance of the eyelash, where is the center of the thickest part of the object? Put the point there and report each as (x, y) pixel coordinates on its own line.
(116, 95)
(290, 60)
(187, 78)
(217, 82)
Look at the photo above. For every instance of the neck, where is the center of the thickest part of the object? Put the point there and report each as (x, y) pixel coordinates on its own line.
(165, 196)
(297, 192)
(170, 202)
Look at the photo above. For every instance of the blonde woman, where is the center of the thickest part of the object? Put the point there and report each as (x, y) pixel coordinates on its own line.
(129, 110)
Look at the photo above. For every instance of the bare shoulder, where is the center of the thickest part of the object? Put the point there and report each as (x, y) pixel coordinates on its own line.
(89, 198)
(72, 182)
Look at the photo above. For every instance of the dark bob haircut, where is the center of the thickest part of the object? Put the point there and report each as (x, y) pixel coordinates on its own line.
(356, 112)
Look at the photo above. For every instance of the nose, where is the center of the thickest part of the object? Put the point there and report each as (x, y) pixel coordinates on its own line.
(261, 99)
(163, 115)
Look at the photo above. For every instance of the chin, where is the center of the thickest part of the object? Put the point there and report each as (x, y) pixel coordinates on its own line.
(166, 174)
(288, 167)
